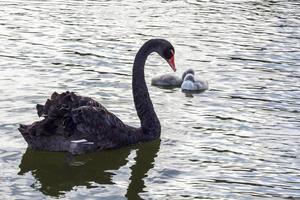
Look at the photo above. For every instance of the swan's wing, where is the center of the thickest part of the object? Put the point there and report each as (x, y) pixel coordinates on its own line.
(95, 126)
(94, 120)
(58, 114)
(65, 100)
(98, 126)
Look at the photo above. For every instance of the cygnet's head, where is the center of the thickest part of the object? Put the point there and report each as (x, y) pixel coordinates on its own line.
(189, 77)
(189, 71)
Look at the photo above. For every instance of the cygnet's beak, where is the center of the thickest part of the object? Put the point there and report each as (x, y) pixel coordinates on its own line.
(172, 63)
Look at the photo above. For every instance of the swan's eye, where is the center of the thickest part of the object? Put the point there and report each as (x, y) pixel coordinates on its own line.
(169, 53)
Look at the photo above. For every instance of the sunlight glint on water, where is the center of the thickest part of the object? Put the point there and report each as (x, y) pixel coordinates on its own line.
(239, 140)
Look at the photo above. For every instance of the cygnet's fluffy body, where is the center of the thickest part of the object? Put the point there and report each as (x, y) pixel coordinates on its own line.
(189, 84)
(170, 80)
(187, 81)
(167, 80)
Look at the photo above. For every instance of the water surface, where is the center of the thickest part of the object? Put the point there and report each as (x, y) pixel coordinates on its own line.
(239, 140)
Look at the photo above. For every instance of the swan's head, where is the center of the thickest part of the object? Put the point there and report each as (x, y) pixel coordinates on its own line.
(189, 77)
(166, 51)
(189, 71)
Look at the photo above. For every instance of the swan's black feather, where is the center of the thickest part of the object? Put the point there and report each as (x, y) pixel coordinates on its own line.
(69, 117)
(65, 100)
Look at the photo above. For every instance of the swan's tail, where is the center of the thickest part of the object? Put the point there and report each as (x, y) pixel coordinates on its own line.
(24, 130)
(40, 109)
(35, 139)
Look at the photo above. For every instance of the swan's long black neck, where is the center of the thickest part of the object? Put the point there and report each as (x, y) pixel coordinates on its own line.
(149, 122)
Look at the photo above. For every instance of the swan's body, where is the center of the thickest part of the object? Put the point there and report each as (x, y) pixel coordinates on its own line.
(189, 84)
(80, 124)
(170, 80)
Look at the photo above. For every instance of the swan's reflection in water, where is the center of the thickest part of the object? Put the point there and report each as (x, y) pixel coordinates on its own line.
(56, 174)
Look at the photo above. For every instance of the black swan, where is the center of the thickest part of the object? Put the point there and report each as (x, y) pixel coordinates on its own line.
(80, 124)
(169, 80)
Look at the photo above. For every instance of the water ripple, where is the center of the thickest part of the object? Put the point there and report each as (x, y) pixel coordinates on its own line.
(238, 140)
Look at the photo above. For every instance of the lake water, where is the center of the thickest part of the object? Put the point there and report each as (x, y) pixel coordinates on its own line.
(238, 140)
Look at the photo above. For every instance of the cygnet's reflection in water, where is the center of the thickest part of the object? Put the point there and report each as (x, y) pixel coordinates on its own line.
(56, 174)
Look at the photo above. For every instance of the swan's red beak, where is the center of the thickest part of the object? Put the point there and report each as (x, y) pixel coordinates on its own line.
(172, 63)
